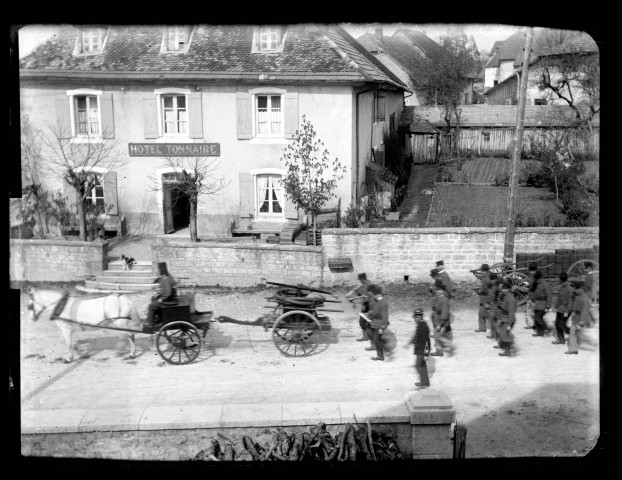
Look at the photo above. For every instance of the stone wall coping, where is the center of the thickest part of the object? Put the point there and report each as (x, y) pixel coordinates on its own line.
(53, 241)
(240, 246)
(445, 230)
(182, 417)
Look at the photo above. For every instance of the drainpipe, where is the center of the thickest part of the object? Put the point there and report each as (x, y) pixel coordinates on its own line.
(357, 137)
(517, 84)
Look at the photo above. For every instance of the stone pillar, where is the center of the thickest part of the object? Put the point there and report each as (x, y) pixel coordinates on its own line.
(431, 418)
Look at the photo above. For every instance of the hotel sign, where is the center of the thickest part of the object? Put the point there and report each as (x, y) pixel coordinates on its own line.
(174, 149)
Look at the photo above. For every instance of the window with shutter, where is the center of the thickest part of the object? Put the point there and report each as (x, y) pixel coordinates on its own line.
(85, 114)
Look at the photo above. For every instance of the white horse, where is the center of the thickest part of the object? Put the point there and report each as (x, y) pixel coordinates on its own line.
(75, 313)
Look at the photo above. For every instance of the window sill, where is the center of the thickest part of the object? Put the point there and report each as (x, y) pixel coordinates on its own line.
(87, 140)
(268, 141)
(175, 140)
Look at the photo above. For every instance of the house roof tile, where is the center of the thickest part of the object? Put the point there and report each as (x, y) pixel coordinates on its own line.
(414, 123)
(311, 52)
(501, 115)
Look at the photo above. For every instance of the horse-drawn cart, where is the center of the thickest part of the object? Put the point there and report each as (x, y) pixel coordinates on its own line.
(297, 322)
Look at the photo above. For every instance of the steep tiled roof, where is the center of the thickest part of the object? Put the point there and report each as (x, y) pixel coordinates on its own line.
(400, 51)
(578, 42)
(414, 123)
(311, 52)
(503, 115)
(419, 39)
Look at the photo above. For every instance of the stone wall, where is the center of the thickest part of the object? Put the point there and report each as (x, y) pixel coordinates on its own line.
(56, 260)
(389, 254)
(240, 264)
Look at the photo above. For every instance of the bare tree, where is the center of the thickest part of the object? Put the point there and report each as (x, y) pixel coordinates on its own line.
(444, 73)
(196, 178)
(73, 160)
(34, 197)
(569, 68)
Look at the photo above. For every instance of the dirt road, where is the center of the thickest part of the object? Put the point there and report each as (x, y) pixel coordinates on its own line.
(538, 403)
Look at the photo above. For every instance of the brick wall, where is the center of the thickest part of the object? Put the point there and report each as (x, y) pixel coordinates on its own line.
(56, 260)
(239, 265)
(387, 255)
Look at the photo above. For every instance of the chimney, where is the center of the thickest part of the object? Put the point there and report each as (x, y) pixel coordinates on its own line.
(378, 34)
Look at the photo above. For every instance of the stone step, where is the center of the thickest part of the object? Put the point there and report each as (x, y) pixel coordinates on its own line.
(138, 266)
(128, 273)
(97, 285)
(126, 279)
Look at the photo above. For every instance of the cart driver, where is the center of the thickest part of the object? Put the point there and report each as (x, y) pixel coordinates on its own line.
(167, 294)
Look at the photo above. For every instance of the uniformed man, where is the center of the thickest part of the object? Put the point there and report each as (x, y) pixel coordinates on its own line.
(378, 320)
(507, 310)
(540, 294)
(529, 312)
(494, 288)
(420, 339)
(444, 276)
(484, 298)
(580, 317)
(360, 293)
(441, 321)
(167, 293)
(563, 309)
(433, 276)
(591, 288)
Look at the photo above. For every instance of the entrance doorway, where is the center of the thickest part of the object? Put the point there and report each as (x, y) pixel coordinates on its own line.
(175, 203)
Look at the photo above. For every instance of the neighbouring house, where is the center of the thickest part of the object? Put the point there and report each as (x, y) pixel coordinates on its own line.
(396, 52)
(505, 89)
(421, 139)
(488, 130)
(231, 93)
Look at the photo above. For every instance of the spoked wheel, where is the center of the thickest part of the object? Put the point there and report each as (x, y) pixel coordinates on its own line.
(501, 268)
(577, 269)
(179, 342)
(519, 285)
(297, 334)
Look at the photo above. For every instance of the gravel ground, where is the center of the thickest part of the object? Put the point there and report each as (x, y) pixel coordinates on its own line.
(538, 403)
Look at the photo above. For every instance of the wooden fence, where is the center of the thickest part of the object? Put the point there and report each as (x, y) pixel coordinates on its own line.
(488, 142)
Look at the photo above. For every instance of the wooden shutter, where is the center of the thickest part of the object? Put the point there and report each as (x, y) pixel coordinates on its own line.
(150, 117)
(195, 115)
(107, 115)
(247, 195)
(291, 114)
(244, 115)
(110, 192)
(63, 116)
(289, 208)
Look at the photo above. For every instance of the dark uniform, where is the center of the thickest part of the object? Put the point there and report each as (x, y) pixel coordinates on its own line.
(167, 293)
(361, 291)
(484, 299)
(441, 322)
(541, 296)
(507, 317)
(494, 288)
(420, 340)
(444, 276)
(580, 318)
(378, 315)
(563, 309)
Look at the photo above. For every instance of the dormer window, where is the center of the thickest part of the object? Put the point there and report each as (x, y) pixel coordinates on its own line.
(176, 39)
(268, 39)
(90, 41)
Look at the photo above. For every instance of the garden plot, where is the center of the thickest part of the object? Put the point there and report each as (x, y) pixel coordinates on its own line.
(486, 206)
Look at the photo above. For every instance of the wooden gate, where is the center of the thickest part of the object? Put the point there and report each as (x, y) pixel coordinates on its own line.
(424, 147)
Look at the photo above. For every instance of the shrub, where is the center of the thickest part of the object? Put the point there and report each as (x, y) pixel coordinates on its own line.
(399, 195)
(62, 213)
(354, 217)
(444, 175)
(502, 179)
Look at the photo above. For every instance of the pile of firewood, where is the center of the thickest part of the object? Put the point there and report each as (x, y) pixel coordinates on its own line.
(357, 442)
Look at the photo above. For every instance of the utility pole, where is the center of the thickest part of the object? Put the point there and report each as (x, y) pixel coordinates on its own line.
(508, 245)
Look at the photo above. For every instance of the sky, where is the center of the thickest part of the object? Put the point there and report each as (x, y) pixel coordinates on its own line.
(485, 34)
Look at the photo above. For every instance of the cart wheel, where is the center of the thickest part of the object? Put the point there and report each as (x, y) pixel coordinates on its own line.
(179, 342)
(501, 268)
(519, 285)
(577, 269)
(297, 333)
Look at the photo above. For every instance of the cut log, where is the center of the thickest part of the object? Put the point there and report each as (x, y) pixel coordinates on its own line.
(370, 443)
